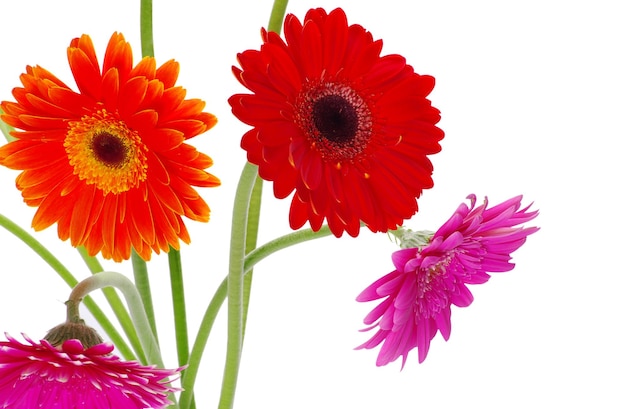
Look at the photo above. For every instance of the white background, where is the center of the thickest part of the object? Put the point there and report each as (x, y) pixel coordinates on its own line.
(532, 96)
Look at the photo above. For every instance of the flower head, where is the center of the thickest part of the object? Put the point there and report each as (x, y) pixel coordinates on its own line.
(110, 163)
(346, 128)
(38, 375)
(428, 280)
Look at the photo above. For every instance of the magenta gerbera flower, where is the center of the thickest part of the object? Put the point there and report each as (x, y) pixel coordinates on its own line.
(429, 279)
(39, 375)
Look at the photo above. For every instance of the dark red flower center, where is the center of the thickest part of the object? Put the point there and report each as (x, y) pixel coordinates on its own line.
(335, 118)
(109, 149)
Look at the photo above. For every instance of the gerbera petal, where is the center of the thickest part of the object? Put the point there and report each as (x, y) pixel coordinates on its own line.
(378, 311)
(463, 298)
(41, 105)
(79, 226)
(70, 100)
(118, 56)
(335, 40)
(141, 218)
(87, 74)
(28, 154)
(145, 68)
(110, 88)
(423, 339)
(131, 95)
(168, 73)
(311, 49)
(443, 322)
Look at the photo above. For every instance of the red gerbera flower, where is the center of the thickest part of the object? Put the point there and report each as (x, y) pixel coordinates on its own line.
(109, 164)
(39, 375)
(418, 294)
(349, 130)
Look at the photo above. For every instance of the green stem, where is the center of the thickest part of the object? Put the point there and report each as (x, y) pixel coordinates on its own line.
(277, 16)
(212, 310)
(190, 373)
(238, 288)
(145, 24)
(142, 282)
(67, 276)
(135, 306)
(116, 305)
(6, 129)
(235, 285)
(280, 243)
(178, 303)
(252, 233)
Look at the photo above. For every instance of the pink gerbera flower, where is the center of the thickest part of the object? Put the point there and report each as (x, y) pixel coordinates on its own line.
(39, 375)
(429, 279)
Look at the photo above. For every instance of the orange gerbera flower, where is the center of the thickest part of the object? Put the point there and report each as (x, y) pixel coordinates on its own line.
(109, 164)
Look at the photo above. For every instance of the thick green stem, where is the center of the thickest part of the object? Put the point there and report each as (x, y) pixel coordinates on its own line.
(145, 24)
(116, 304)
(278, 14)
(178, 304)
(238, 296)
(235, 284)
(67, 276)
(135, 306)
(252, 233)
(142, 282)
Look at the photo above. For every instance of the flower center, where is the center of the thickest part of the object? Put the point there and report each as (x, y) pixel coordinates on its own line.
(335, 119)
(432, 291)
(109, 149)
(106, 153)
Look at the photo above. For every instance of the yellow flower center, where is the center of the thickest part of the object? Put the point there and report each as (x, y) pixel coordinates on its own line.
(106, 153)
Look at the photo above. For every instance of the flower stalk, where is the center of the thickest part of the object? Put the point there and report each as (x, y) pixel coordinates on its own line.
(245, 221)
(117, 306)
(178, 304)
(235, 284)
(135, 306)
(145, 27)
(142, 284)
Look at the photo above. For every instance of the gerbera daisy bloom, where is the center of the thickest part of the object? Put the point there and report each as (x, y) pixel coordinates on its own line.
(346, 128)
(429, 279)
(39, 375)
(109, 163)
